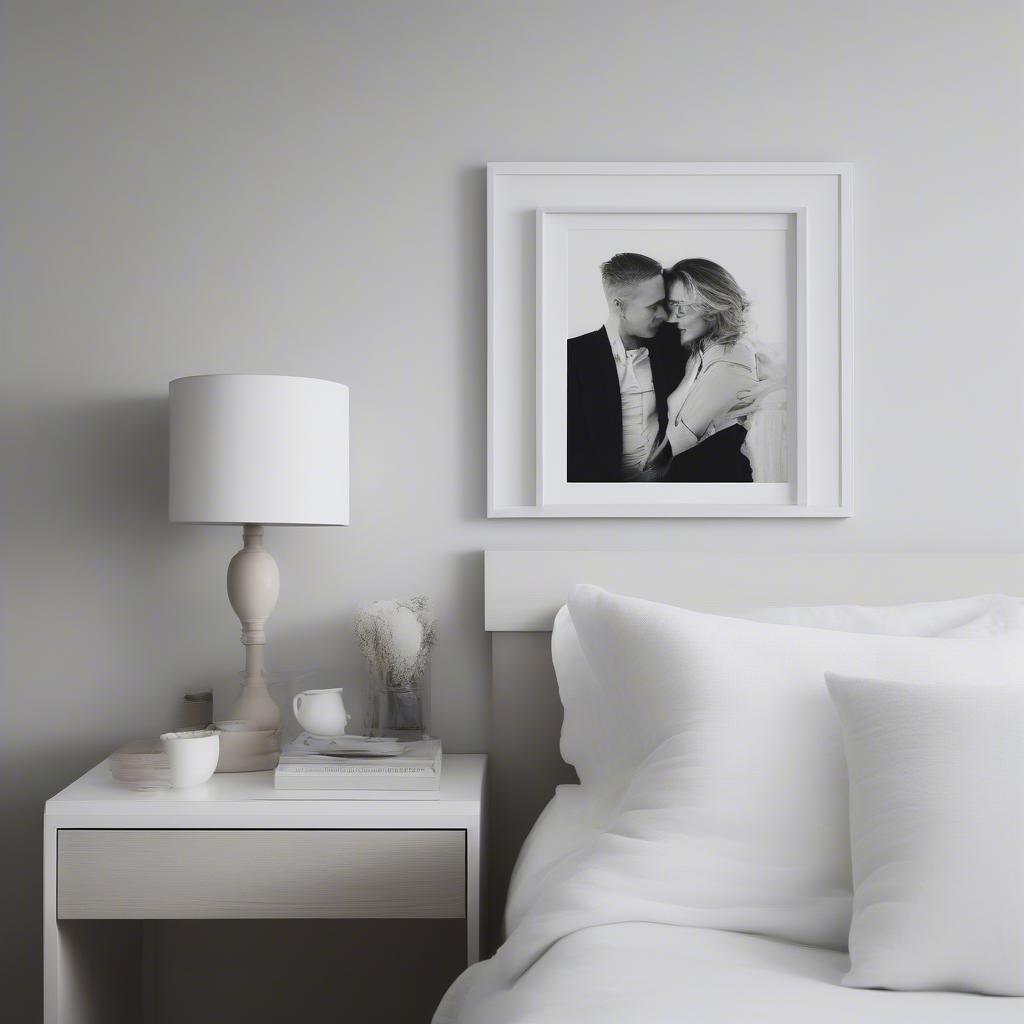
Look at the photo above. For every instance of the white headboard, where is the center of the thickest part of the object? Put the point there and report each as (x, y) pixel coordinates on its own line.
(524, 589)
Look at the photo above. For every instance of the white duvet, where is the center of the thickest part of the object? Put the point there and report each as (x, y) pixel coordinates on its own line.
(638, 973)
(652, 973)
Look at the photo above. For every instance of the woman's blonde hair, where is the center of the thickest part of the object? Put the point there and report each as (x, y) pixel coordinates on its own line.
(716, 295)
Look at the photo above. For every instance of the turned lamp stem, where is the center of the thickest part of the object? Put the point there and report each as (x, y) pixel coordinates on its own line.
(254, 584)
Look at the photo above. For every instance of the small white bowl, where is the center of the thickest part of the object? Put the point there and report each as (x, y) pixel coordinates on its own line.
(192, 756)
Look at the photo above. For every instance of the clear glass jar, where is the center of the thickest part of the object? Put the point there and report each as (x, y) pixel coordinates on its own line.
(394, 710)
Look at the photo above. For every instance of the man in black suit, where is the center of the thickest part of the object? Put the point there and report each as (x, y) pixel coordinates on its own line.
(621, 375)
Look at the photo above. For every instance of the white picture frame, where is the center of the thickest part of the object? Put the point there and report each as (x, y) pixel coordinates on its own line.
(529, 206)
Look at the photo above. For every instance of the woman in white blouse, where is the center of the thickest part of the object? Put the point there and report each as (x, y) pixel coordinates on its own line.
(706, 430)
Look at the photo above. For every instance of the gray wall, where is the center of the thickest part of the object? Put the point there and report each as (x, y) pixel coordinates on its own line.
(193, 187)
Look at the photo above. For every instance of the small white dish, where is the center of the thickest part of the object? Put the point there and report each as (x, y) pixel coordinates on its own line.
(191, 756)
(351, 746)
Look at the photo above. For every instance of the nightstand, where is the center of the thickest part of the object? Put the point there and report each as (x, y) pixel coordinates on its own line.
(119, 863)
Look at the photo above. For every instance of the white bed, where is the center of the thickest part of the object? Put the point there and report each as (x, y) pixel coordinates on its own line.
(645, 970)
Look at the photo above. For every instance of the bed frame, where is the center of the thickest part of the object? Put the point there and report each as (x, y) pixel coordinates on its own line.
(524, 589)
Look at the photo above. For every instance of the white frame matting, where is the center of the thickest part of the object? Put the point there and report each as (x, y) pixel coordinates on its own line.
(553, 227)
(522, 196)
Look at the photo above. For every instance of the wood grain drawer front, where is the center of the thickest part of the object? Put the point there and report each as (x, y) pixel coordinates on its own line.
(232, 873)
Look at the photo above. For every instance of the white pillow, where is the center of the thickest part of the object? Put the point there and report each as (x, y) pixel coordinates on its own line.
(937, 821)
(743, 786)
(592, 738)
(966, 618)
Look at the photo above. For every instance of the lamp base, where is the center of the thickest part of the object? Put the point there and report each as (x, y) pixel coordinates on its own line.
(253, 587)
(255, 706)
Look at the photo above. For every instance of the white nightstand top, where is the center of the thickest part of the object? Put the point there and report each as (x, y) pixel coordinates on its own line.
(249, 800)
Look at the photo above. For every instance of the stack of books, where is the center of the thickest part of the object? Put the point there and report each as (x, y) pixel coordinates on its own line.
(362, 769)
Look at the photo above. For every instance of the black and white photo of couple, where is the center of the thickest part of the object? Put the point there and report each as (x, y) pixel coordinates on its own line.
(674, 387)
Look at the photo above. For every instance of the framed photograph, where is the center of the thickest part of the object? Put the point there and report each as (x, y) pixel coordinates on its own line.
(669, 340)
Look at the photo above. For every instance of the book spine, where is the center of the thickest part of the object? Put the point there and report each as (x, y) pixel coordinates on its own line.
(325, 767)
(294, 783)
(330, 779)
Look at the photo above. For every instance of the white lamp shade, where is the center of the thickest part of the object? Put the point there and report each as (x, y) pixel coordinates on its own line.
(250, 448)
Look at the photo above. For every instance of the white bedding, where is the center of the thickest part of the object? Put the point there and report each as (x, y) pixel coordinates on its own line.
(654, 972)
(568, 823)
(604, 925)
(651, 973)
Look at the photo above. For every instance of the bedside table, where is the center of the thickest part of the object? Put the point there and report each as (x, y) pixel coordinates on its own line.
(237, 848)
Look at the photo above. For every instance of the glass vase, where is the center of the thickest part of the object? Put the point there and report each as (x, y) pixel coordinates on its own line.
(394, 709)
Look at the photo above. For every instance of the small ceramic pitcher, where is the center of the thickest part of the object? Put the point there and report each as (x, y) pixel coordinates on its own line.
(321, 712)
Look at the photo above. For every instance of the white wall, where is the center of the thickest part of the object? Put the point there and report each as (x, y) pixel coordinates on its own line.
(197, 186)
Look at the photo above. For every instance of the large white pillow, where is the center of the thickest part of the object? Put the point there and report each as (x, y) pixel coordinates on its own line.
(937, 823)
(743, 789)
(593, 740)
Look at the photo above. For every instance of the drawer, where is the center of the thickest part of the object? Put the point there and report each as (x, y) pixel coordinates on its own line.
(260, 873)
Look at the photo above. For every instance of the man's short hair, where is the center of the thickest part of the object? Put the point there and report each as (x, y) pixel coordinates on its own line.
(625, 271)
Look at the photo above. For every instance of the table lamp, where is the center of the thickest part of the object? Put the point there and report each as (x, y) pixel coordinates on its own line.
(255, 450)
